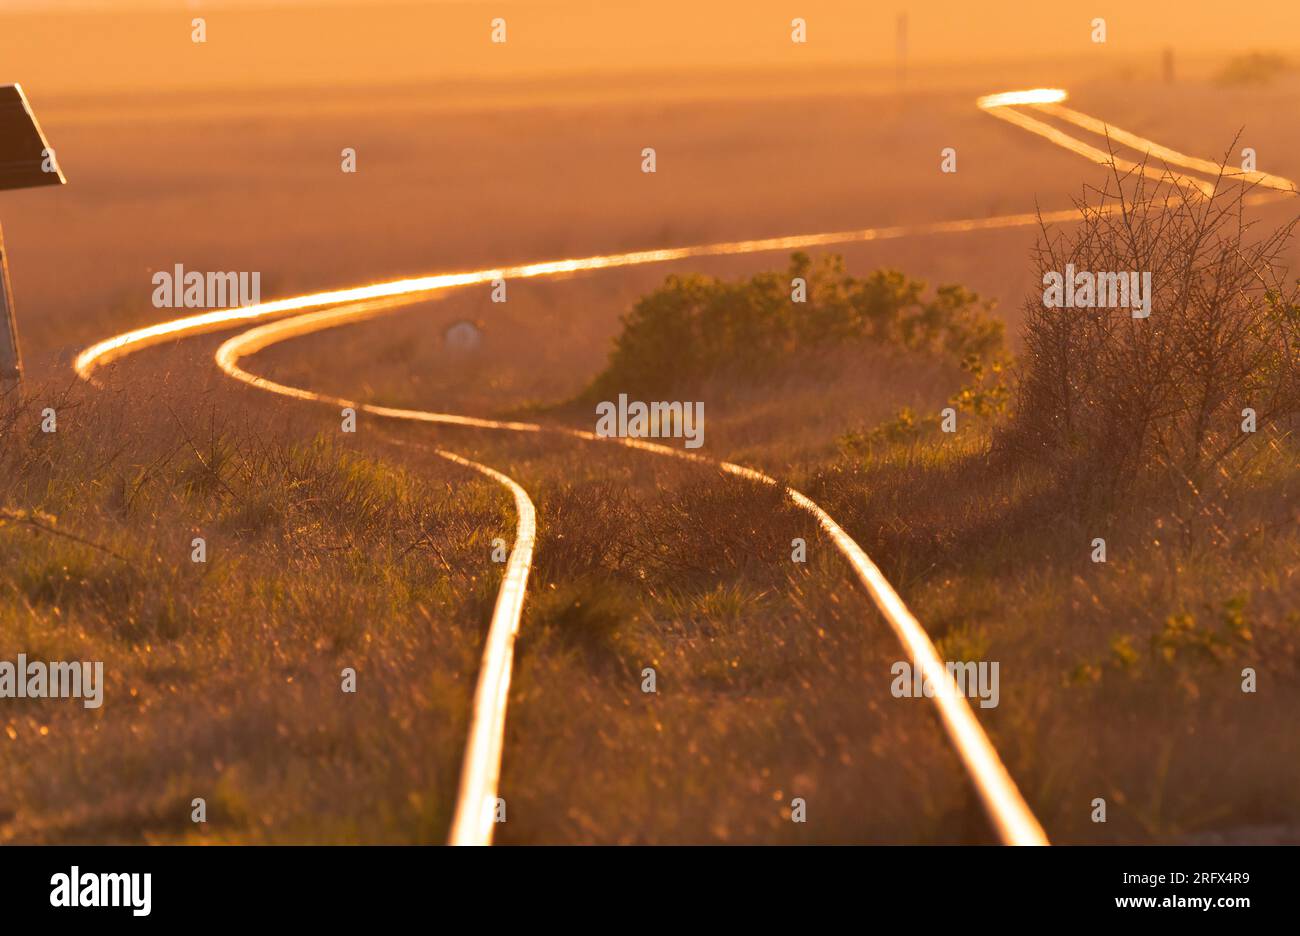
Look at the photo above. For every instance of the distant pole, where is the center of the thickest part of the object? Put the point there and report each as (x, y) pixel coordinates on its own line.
(901, 46)
(11, 361)
(1168, 61)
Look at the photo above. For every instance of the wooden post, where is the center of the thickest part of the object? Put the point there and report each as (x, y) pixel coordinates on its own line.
(26, 160)
(11, 362)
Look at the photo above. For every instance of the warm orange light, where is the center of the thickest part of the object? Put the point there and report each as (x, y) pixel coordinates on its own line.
(1032, 96)
(1012, 817)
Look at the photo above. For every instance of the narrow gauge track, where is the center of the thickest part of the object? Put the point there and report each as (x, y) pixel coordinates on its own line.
(473, 818)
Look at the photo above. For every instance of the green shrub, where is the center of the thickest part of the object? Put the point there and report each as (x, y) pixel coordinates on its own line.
(697, 326)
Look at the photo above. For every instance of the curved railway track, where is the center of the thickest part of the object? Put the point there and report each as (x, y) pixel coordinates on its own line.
(473, 818)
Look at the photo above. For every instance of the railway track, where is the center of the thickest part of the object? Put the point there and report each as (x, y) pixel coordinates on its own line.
(473, 822)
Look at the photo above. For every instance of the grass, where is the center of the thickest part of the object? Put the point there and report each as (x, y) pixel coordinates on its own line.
(224, 678)
(1119, 680)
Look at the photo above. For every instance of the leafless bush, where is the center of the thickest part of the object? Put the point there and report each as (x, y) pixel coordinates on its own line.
(1107, 398)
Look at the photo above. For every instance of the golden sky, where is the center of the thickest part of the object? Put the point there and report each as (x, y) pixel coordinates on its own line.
(73, 46)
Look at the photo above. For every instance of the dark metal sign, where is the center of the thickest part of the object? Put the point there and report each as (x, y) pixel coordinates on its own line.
(26, 159)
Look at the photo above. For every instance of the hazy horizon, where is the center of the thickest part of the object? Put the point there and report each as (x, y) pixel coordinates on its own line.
(74, 46)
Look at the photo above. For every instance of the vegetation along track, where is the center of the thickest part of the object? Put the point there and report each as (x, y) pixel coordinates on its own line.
(473, 818)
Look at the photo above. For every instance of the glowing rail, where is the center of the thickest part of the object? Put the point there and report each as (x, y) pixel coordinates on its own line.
(1048, 101)
(1013, 98)
(473, 820)
(1164, 153)
(110, 349)
(1007, 810)
(999, 106)
(475, 815)
(1011, 817)
(1008, 813)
